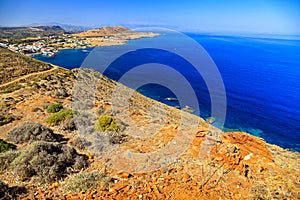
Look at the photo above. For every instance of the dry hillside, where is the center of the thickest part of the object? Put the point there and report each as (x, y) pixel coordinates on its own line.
(98, 148)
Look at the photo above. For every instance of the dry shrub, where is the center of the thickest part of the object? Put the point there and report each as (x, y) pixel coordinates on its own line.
(83, 182)
(30, 132)
(48, 161)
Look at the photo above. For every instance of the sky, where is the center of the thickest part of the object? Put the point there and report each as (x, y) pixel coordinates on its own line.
(233, 16)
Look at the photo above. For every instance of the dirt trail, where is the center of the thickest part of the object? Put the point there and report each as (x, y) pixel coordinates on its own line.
(54, 68)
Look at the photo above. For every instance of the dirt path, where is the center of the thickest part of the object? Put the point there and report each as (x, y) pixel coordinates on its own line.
(54, 67)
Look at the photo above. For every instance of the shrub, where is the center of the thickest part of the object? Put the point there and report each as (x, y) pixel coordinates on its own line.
(53, 108)
(61, 116)
(107, 124)
(4, 146)
(69, 125)
(118, 138)
(79, 143)
(48, 161)
(5, 119)
(30, 132)
(7, 192)
(6, 159)
(12, 89)
(87, 181)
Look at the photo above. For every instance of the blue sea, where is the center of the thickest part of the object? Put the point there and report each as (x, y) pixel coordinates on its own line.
(261, 75)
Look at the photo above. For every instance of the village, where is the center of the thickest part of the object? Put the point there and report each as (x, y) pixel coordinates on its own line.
(47, 45)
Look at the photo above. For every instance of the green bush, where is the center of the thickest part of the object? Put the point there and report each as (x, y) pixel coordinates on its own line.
(5, 119)
(107, 124)
(86, 181)
(61, 116)
(5, 146)
(53, 108)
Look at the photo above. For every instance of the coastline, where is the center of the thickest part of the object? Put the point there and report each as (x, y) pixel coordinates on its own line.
(50, 45)
(242, 161)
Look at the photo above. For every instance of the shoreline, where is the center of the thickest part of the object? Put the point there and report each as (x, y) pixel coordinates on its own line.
(105, 42)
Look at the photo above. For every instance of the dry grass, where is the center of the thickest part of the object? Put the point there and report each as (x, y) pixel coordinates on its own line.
(13, 66)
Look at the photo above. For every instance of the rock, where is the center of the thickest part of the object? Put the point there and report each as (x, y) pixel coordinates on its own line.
(119, 186)
(247, 157)
(210, 120)
(124, 175)
(188, 109)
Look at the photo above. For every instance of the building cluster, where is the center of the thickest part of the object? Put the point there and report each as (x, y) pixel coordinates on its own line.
(47, 46)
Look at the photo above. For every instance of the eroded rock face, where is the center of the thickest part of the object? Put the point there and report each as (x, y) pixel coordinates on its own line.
(243, 152)
(30, 132)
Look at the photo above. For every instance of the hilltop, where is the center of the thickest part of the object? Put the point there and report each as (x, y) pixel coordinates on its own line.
(24, 32)
(108, 36)
(51, 150)
(104, 31)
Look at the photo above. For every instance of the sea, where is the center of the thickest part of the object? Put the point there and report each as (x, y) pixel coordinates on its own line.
(260, 75)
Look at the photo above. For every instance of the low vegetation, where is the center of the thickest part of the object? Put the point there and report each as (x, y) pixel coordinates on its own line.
(5, 146)
(87, 181)
(5, 119)
(53, 108)
(30, 132)
(107, 124)
(7, 192)
(6, 158)
(13, 66)
(12, 89)
(48, 161)
(59, 117)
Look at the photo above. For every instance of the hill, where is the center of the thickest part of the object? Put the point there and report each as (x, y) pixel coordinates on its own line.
(104, 31)
(116, 35)
(24, 32)
(10, 65)
(67, 27)
(51, 149)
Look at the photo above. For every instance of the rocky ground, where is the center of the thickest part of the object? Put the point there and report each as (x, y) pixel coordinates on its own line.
(79, 135)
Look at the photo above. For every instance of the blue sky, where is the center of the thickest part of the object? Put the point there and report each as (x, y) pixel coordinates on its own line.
(255, 16)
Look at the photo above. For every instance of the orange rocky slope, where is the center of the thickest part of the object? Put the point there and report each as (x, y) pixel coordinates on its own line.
(234, 165)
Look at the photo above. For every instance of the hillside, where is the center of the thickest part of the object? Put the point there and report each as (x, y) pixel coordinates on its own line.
(104, 31)
(26, 32)
(13, 66)
(116, 35)
(50, 150)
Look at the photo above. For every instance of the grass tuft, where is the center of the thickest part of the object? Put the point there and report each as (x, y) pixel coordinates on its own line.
(59, 117)
(53, 108)
(107, 124)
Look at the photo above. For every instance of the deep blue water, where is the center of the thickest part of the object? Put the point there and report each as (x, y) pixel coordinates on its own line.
(261, 77)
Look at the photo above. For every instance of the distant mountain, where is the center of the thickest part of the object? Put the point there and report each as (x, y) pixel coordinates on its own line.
(35, 31)
(66, 27)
